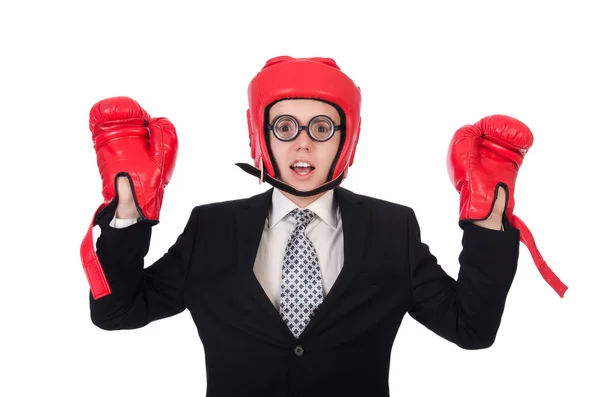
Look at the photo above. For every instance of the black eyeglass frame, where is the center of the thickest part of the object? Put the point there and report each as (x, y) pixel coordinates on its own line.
(299, 127)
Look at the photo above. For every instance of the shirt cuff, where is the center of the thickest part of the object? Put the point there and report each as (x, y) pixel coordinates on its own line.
(122, 223)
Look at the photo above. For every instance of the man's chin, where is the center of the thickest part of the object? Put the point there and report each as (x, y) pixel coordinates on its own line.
(302, 183)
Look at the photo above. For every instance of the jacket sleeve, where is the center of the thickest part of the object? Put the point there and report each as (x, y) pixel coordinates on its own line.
(466, 311)
(140, 295)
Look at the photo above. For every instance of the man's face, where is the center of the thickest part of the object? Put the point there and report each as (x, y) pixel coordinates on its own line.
(291, 157)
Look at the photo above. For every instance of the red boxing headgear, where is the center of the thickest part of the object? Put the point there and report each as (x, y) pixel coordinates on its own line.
(317, 78)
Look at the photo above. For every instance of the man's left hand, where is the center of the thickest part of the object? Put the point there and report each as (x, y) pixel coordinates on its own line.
(494, 221)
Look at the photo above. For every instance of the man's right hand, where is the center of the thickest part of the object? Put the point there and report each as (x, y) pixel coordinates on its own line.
(129, 143)
(126, 205)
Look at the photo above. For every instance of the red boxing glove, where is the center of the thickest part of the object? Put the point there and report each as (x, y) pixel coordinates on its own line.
(128, 142)
(483, 157)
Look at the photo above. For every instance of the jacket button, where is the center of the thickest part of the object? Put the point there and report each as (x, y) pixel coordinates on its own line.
(299, 350)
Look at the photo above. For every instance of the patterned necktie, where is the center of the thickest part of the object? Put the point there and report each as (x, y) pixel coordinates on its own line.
(301, 288)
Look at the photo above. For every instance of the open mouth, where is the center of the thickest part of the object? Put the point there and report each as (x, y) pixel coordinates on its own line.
(302, 168)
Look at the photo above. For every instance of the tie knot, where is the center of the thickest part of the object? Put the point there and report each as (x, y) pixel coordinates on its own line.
(302, 216)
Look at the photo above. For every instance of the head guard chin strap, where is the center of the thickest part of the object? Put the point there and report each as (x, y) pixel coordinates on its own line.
(263, 177)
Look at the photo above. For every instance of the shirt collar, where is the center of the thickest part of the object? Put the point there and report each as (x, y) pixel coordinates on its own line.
(324, 207)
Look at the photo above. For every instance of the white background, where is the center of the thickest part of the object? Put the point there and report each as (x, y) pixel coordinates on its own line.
(424, 71)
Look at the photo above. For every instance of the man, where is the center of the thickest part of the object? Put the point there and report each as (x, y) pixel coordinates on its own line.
(298, 291)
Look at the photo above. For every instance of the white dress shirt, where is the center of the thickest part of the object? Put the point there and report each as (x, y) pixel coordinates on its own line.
(325, 232)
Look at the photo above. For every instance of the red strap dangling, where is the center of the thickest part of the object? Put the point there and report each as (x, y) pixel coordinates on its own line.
(545, 271)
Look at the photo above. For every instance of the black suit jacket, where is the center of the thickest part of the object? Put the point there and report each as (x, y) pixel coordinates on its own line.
(345, 350)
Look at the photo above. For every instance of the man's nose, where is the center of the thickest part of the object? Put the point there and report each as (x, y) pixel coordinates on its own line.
(303, 140)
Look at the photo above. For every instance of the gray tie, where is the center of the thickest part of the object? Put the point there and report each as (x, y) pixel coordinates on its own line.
(301, 288)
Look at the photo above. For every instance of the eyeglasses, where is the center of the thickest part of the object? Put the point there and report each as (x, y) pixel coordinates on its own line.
(320, 128)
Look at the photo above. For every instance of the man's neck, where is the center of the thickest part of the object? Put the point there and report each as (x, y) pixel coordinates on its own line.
(302, 202)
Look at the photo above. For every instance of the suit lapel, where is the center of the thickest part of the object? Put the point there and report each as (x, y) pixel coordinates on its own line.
(251, 218)
(355, 223)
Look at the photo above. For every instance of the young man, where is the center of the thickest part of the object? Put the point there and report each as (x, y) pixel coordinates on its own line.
(298, 291)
